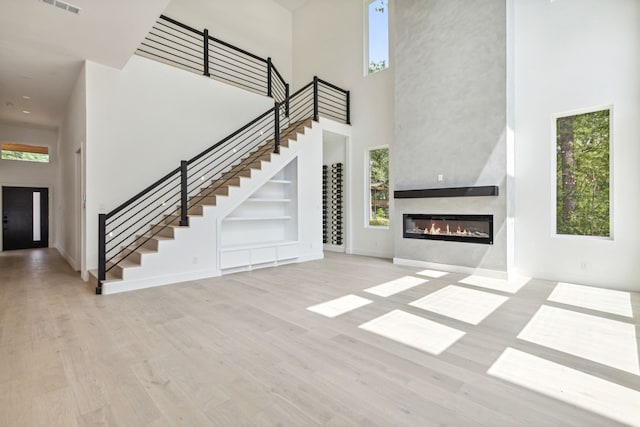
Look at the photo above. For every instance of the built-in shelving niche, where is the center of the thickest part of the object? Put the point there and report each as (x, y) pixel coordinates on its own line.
(263, 230)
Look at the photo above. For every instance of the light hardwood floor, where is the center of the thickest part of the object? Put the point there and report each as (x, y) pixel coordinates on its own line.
(244, 350)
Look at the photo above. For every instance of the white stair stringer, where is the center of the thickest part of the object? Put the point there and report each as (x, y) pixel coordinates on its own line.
(193, 252)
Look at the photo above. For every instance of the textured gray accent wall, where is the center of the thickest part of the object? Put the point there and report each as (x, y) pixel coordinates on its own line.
(450, 119)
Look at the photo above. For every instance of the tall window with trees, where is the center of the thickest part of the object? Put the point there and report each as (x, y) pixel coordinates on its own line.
(582, 174)
(377, 35)
(379, 187)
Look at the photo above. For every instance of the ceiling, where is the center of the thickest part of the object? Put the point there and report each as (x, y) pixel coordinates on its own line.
(42, 48)
(291, 4)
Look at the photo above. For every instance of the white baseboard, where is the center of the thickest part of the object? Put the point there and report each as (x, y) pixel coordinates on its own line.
(373, 254)
(72, 262)
(151, 282)
(496, 274)
(307, 257)
(334, 248)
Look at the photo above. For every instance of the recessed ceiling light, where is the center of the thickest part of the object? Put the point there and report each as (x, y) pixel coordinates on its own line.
(26, 112)
(26, 97)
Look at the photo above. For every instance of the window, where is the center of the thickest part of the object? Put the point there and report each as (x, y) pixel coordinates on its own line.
(377, 36)
(582, 174)
(379, 187)
(29, 153)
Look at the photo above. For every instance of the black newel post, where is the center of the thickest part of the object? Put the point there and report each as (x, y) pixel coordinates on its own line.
(184, 219)
(286, 97)
(206, 52)
(348, 107)
(315, 98)
(276, 124)
(102, 251)
(269, 91)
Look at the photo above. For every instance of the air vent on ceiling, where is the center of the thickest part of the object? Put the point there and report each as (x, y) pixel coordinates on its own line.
(63, 5)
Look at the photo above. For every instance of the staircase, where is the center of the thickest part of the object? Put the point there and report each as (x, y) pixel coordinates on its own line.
(173, 230)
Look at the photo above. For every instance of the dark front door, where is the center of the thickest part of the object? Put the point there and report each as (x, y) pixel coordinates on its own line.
(25, 218)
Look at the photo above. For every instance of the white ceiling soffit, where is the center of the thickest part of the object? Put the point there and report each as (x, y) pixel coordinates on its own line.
(291, 4)
(42, 48)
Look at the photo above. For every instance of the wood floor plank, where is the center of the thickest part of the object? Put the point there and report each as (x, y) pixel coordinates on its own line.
(243, 350)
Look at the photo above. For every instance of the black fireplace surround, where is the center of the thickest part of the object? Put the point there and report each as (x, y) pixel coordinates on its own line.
(453, 228)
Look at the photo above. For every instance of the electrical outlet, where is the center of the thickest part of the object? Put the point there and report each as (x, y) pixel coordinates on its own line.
(440, 177)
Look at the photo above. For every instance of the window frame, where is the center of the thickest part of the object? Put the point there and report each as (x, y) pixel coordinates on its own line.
(367, 192)
(554, 176)
(366, 60)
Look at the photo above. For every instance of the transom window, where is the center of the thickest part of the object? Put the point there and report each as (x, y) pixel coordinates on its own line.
(28, 153)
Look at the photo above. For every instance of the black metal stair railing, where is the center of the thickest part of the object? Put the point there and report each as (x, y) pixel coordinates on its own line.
(143, 217)
(169, 201)
(180, 45)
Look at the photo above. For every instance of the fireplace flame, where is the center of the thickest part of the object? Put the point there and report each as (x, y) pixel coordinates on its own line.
(437, 230)
(449, 227)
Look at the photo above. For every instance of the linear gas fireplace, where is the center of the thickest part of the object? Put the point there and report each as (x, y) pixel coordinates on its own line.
(454, 228)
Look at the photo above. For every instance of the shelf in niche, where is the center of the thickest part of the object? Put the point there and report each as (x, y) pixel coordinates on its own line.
(280, 181)
(258, 245)
(477, 191)
(267, 200)
(255, 218)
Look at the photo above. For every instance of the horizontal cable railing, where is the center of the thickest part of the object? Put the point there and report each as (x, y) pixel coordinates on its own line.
(180, 45)
(333, 102)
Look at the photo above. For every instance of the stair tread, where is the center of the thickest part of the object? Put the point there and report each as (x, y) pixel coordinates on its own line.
(178, 216)
(172, 225)
(110, 278)
(156, 237)
(123, 263)
(142, 250)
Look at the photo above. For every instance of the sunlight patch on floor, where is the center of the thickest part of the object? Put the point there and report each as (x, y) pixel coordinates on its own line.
(569, 385)
(339, 306)
(460, 303)
(414, 331)
(395, 286)
(432, 273)
(606, 300)
(511, 286)
(600, 340)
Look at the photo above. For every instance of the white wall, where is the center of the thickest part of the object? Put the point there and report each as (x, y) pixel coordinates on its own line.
(261, 27)
(573, 54)
(142, 120)
(31, 174)
(73, 134)
(328, 41)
